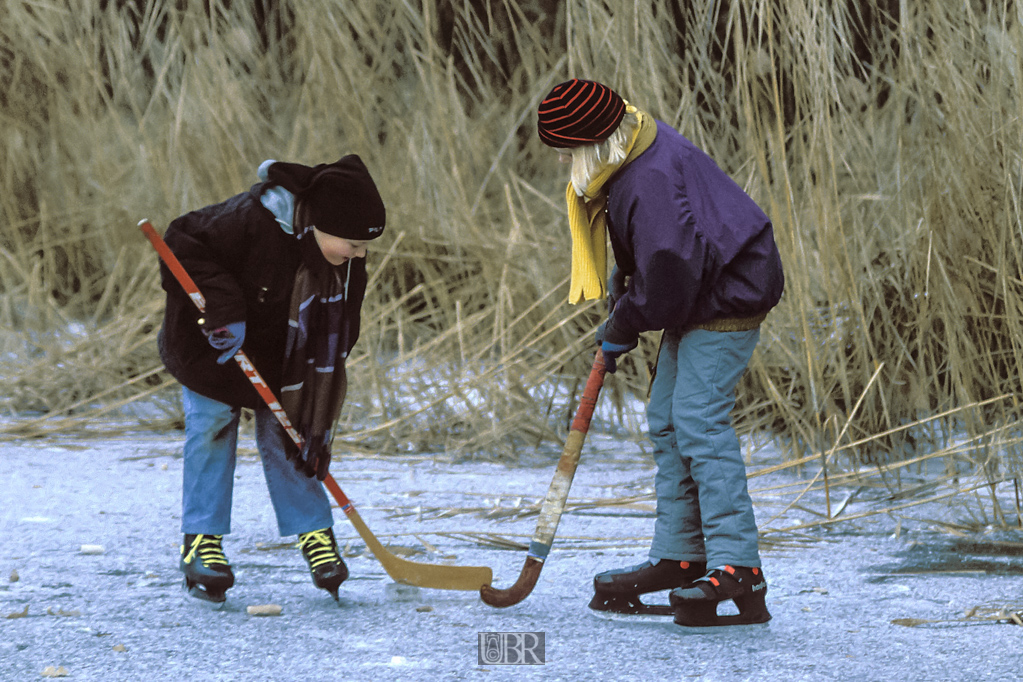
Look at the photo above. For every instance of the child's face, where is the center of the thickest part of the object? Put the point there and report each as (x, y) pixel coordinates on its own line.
(338, 250)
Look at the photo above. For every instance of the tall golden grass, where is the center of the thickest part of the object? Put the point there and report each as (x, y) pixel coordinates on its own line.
(884, 145)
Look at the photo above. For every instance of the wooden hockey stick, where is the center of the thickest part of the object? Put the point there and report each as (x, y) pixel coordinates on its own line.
(557, 494)
(437, 576)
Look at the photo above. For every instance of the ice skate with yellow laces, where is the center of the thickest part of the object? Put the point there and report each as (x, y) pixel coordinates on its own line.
(208, 574)
(326, 566)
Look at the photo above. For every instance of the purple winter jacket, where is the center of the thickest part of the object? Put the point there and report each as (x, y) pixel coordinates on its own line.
(696, 246)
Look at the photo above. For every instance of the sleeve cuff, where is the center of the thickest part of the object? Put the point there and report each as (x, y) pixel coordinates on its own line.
(613, 334)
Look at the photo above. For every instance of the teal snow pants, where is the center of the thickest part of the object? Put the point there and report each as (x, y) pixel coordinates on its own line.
(704, 511)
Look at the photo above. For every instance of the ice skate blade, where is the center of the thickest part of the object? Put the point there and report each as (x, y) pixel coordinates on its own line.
(723, 628)
(627, 605)
(652, 617)
(333, 591)
(211, 599)
(707, 623)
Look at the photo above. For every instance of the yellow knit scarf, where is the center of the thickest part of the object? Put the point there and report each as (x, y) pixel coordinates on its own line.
(587, 221)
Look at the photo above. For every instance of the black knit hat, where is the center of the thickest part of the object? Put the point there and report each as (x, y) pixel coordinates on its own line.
(341, 197)
(577, 113)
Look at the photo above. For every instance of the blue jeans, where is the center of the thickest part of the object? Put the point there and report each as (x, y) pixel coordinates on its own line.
(704, 511)
(211, 440)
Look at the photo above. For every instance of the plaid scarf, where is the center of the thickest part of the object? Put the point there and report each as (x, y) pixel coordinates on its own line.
(315, 383)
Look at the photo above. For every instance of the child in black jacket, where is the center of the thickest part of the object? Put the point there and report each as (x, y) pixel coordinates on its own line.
(282, 269)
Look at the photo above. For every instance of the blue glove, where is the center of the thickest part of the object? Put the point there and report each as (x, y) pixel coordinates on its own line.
(228, 338)
(599, 336)
(612, 351)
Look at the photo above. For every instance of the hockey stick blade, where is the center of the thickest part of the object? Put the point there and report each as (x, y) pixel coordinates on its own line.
(557, 494)
(436, 576)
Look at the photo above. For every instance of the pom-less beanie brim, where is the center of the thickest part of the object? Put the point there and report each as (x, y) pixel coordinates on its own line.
(341, 197)
(577, 113)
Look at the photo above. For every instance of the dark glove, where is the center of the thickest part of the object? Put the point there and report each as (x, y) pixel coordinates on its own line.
(313, 459)
(616, 287)
(612, 351)
(228, 338)
(614, 342)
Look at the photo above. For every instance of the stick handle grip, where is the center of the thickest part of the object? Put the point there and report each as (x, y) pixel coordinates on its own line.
(172, 262)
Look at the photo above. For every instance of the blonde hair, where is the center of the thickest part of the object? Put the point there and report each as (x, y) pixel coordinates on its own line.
(588, 160)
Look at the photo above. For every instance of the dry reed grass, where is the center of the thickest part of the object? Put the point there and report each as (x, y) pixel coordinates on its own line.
(882, 138)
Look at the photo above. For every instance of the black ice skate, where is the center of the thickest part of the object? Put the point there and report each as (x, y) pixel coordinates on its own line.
(696, 606)
(618, 590)
(207, 574)
(325, 564)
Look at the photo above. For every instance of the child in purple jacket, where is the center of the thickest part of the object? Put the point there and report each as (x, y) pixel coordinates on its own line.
(695, 257)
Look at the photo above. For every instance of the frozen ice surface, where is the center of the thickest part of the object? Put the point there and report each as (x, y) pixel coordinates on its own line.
(836, 593)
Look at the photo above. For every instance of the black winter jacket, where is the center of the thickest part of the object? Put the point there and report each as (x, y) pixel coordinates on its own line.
(244, 264)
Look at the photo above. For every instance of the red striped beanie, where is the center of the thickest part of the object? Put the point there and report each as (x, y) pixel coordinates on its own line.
(577, 113)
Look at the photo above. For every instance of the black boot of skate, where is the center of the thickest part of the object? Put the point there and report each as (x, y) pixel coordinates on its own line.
(618, 590)
(696, 606)
(327, 568)
(207, 574)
